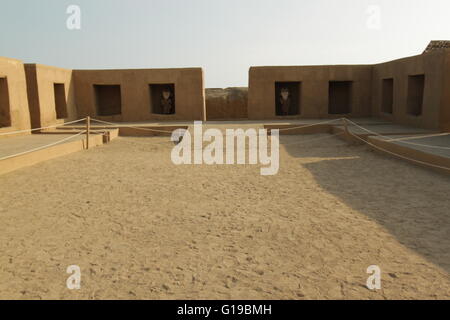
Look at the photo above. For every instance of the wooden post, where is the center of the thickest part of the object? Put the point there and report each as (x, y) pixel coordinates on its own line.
(88, 129)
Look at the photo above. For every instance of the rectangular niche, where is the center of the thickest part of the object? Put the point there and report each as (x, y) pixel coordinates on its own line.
(5, 114)
(291, 105)
(416, 86)
(108, 99)
(60, 100)
(387, 102)
(162, 98)
(340, 97)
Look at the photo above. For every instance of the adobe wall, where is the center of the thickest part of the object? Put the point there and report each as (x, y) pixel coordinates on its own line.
(136, 101)
(226, 104)
(41, 94)
(445, 101)
(431, 66)
(13, 96)
(313, 93)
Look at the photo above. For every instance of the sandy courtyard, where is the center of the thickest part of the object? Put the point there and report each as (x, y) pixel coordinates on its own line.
(142, 228)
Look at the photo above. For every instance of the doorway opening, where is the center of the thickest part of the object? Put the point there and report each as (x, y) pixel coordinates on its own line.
(388, 96)
(416, 87)
(108, 100)
(5, 113)
(340, 97)
(60, 100)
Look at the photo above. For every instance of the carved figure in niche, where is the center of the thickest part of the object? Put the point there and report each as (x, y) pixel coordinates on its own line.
(167, 102)
(285, 101)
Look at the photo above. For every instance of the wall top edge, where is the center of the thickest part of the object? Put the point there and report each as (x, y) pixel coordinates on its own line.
(140, 69)
(314, 66)
(437, 53)
(44, 66)
(11, 60)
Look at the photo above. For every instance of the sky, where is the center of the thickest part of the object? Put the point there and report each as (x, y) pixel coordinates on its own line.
(224, 37)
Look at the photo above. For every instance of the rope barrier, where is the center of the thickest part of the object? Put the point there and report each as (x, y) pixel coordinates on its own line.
(328, 136)
(398, 155)
(420, 137)
(388, 139)
(43, 128)
(155, 130)
(43, 147)
(315, 139)
(310, 125)
(129, 126)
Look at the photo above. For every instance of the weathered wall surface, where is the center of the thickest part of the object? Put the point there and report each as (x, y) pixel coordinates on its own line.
(226, 104)
(314, 90)
(41, 94)
(14, 96)
(445, 101)
(135, 94)
(431, 66)
(367, 97)
(28, 91)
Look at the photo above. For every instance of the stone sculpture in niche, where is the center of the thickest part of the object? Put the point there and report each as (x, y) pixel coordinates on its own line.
(167, 102)
(285, 101)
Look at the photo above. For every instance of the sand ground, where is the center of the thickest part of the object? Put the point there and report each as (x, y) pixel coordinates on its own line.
(141, 228)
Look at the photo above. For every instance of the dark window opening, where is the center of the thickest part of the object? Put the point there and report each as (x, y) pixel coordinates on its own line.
(340, 97)
(388, 96)
(108, 100)
(162, 98)
(287, 98)
(416, 86)
(5, 113)
(60, 100)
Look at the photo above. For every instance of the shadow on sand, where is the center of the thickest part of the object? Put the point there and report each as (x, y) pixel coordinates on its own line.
(410, 202)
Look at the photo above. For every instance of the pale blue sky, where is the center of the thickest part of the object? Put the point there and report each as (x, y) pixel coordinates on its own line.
(225, 37)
